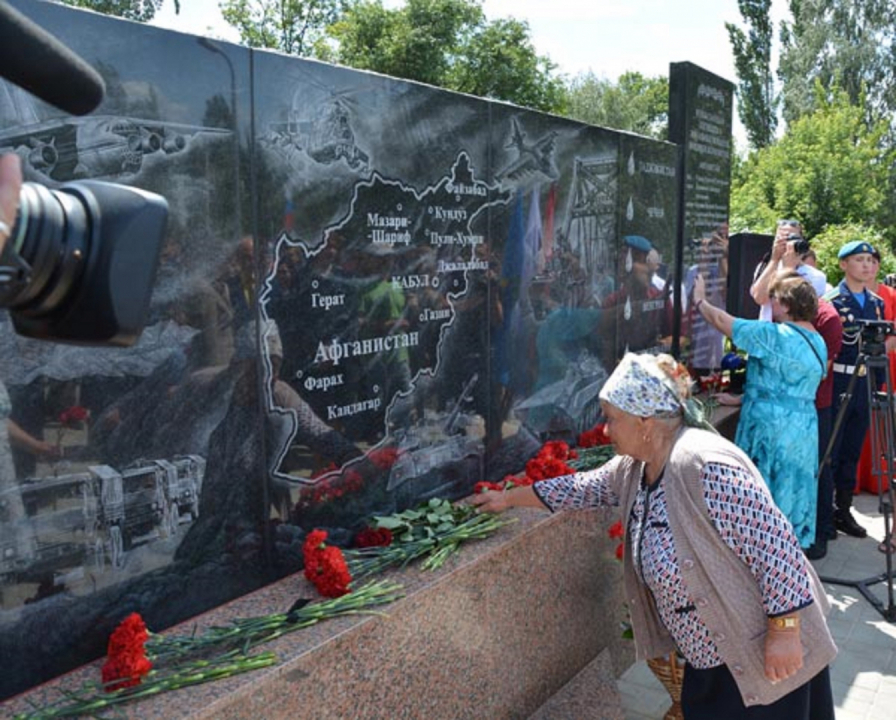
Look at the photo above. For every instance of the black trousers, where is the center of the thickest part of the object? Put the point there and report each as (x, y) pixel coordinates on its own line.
(851, 434)
(713, 695)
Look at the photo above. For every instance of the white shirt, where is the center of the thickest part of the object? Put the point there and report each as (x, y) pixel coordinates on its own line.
(815, 276)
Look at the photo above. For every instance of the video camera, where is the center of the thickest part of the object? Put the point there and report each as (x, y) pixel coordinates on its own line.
(80, 261)
(874, 334)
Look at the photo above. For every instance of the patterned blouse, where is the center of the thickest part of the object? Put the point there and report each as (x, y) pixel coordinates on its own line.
(745, 517)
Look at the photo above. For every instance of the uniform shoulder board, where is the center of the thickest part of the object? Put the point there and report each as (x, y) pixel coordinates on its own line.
(832, 293)
(875, 295)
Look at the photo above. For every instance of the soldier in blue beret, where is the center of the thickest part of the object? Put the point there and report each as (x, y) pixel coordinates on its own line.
(856, 247)
(853, 302)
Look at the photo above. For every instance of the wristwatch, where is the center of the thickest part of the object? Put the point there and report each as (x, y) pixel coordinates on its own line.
(782, 623)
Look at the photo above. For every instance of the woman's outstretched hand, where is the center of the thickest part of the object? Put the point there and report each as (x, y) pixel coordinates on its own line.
(491, 501)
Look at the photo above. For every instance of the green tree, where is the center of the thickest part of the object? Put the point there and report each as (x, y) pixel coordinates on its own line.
(140, 10)
(758, 104)
(830, 168)
(634, 102)
(291, 26)
(447, 43)
(851, 43)
(828, 243)
(499, 61)
(418, 41)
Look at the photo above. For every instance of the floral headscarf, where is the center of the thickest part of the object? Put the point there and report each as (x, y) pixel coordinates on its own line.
(639, 386)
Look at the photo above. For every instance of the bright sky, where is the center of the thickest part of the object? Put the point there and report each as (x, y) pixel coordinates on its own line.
(606, 37)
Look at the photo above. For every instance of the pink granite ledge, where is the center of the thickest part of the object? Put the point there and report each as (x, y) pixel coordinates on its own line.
(494, 633)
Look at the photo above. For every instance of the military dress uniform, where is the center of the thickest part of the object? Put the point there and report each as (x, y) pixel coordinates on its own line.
(856, 416)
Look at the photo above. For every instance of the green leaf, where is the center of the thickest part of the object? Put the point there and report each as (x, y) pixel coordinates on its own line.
(390, 523)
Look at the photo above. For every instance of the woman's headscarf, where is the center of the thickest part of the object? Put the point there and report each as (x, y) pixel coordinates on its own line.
(639, 386)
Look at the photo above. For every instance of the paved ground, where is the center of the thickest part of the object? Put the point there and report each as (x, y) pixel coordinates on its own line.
(864, 673)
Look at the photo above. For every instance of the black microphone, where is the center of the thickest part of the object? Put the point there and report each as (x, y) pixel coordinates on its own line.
(35, 60)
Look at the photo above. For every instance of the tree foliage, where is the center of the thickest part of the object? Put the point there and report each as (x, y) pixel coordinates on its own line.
(140, 10)
(830, 168)
(499, 61)
(758, 102)
(291, 26)
(851, 43)
(417, 41)
(634, 102)
(447, 43)
(828, 243)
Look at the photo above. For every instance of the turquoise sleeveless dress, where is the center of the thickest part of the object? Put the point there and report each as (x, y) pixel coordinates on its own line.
(778, 426)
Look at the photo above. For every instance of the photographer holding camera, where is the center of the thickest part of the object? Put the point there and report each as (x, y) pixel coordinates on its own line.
(788, 250)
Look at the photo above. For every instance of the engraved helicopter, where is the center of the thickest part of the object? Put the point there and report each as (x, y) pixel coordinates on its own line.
(326, 139)
(532, 157)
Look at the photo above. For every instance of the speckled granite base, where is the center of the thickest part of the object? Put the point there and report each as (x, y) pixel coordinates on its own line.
(590, 695)
(494, 634)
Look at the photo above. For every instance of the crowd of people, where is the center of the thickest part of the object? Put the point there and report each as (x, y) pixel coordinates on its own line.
(719, 535)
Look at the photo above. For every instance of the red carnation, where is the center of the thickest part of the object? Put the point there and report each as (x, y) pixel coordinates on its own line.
(373, 537)
(126, 663)
(314, 542)
(129, 636)
(325, 565)
(332, 576)
(616, 530)
(620, 551)
(556, 449)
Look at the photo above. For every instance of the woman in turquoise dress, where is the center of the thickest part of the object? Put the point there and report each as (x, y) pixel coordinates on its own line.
(778, 426)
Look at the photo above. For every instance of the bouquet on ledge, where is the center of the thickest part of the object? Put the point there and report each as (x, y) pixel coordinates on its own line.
(434, 530)
(140, 664)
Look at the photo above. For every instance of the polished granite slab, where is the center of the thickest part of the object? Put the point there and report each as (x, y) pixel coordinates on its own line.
(495, 633)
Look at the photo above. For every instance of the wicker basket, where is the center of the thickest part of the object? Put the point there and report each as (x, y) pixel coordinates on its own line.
(669, 670)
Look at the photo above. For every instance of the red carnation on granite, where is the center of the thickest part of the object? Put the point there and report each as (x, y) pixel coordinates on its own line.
(325, 565)
(126, 662)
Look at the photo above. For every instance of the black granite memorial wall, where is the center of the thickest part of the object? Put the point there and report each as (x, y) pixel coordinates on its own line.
(372, 292)
(700, 112)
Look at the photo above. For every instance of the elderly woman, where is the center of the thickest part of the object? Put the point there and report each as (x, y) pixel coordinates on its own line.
(778, 426)
(712, 567)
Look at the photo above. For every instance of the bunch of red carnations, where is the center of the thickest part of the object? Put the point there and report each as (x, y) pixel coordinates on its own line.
(325, 565)
(126, 661)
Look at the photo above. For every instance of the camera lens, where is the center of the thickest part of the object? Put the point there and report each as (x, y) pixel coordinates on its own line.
(46, 252)
(800, 244)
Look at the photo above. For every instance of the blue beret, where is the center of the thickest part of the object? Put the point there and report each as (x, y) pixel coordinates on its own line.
(638, 243)
(855, 247)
